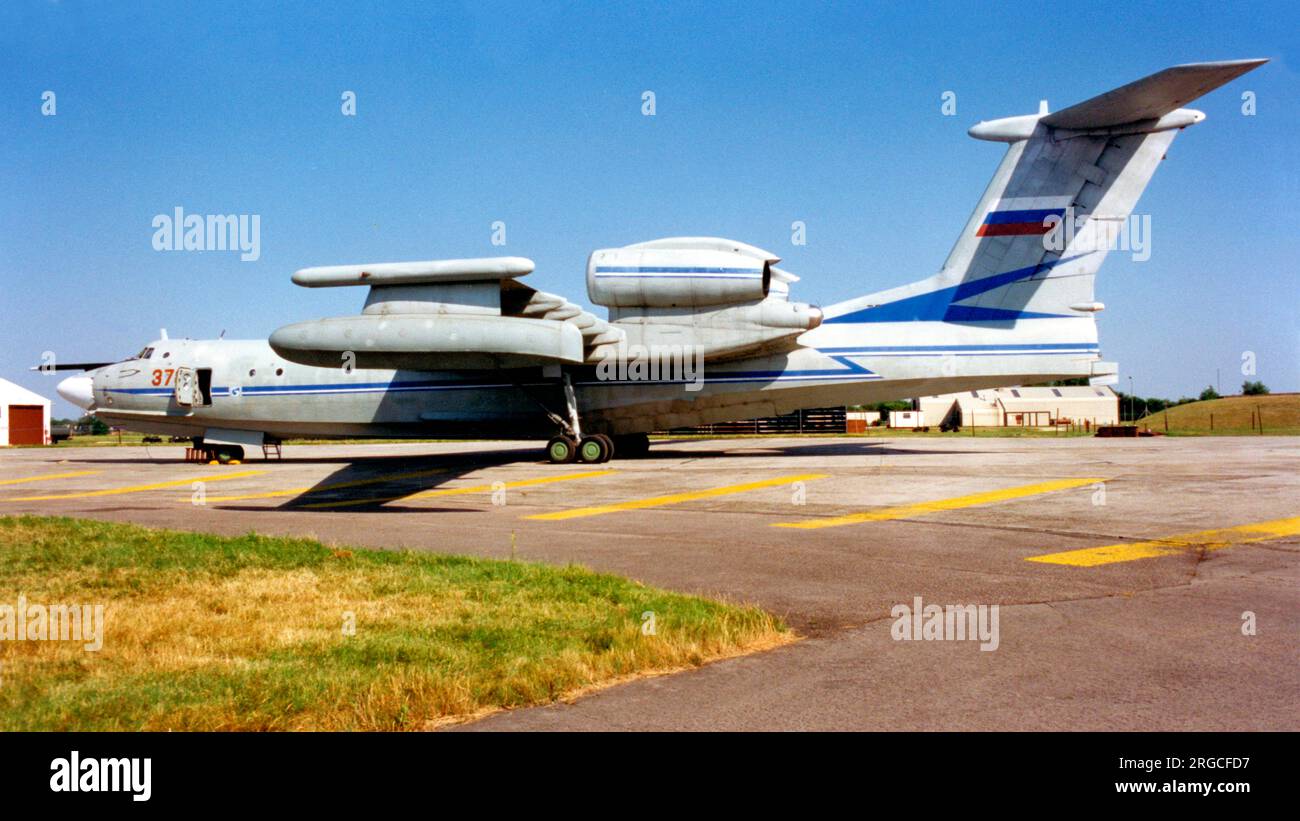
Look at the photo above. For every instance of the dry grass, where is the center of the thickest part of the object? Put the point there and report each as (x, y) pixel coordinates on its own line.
(211, 633)
(1232, 414)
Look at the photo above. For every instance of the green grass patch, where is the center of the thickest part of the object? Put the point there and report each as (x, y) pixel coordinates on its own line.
(204, 632)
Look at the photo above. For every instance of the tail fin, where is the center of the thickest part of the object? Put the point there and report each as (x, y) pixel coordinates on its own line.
(1062, 194)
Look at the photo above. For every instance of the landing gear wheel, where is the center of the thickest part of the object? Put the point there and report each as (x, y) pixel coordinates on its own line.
(228, 453)
(593, 449)
(561, 450)
(609, 445)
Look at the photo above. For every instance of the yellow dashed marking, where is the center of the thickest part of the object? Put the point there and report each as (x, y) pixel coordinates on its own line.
(921, 508)
(49, 476)
(1173, 545)
(674, 498)
(461, 491)
(296, 491)
(140, 488)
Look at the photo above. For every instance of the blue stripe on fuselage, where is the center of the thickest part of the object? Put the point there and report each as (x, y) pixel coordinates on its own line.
(937, 306)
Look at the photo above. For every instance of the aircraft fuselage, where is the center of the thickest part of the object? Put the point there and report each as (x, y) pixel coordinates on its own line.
(246, 386)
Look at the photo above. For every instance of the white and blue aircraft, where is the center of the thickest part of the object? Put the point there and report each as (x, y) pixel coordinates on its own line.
(699, 329)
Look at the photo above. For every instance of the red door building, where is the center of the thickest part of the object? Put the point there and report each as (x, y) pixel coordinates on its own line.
(26, 425)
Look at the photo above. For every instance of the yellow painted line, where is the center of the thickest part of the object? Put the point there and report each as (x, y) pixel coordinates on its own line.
(297, 491)
(141, 488)
(461, 491)
(921, 508)
(49, 476)
(674, 498)
(1173, 545)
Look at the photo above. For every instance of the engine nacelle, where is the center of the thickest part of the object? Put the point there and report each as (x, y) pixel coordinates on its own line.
(687, 272)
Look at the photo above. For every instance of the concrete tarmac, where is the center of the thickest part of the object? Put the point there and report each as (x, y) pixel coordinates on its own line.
(1123, 571)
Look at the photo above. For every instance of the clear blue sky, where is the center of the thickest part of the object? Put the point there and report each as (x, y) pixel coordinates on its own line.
(531, 114)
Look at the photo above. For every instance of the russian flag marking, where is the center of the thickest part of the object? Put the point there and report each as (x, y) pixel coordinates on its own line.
(1019, 223)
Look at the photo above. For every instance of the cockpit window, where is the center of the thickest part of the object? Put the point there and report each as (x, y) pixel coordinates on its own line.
(145, 354)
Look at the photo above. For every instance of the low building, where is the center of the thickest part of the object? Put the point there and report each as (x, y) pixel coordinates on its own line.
(859, 421)
(24, 416)
(1082, 405)
(907, 419)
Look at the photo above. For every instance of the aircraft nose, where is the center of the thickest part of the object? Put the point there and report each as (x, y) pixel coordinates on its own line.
(78, 390)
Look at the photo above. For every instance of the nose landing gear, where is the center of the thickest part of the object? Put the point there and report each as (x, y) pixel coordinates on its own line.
(225, 454)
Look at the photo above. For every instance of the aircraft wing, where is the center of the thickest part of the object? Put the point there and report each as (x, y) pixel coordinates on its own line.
(457, 314)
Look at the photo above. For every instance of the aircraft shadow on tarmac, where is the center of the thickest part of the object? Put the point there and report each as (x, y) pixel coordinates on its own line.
(374, 484)
(379, 483)
(364, 483)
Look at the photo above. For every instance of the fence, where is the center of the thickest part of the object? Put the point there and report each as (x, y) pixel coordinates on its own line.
(809, 420)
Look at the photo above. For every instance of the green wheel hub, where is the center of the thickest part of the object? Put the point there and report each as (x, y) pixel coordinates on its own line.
(559, 451)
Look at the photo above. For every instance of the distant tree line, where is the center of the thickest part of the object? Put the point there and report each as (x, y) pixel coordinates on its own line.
(94, 424)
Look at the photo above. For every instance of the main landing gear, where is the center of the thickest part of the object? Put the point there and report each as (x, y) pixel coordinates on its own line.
(589, 449)
(596, 448)
(572, 446)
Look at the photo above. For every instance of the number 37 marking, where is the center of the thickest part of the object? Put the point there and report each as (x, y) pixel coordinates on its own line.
(163, 377)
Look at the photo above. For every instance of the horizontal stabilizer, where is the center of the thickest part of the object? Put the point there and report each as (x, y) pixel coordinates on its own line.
(411, 273)
(1151, 97)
